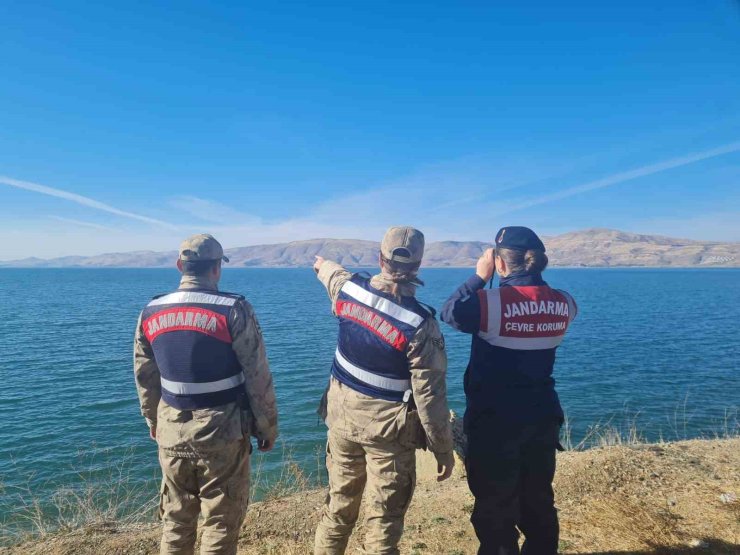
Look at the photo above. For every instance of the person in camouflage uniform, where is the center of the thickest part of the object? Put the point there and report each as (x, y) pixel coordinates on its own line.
(204, 386)
(386, 397)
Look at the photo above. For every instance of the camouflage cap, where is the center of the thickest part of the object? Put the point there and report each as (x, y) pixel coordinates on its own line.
(201, 247)
(403, 244)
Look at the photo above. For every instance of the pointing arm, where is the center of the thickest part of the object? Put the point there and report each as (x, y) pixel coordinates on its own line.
(333, 276)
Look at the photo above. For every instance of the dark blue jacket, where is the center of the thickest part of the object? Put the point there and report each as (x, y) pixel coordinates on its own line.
(516, 330)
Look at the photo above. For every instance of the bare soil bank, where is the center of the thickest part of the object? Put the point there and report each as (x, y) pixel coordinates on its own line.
(661, 498)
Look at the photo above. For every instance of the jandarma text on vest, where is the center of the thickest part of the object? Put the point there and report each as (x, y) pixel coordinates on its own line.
(371, 321)
(186, 319)
(534, 307)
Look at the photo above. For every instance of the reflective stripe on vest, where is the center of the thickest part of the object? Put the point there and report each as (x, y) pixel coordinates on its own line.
(369, 378)
(374, 332)
(190, 337)
(191, 388)
(195, 297)
(382, 305)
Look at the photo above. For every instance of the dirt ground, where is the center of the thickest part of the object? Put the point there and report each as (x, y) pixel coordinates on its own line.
(647, 499)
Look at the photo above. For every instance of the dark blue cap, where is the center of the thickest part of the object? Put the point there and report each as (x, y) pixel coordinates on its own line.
(518, 238)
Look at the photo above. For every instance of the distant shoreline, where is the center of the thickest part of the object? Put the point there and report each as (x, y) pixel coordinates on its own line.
(591, 248)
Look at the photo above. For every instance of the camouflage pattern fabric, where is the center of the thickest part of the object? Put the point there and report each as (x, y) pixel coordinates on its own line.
(372, 442)
(204, 453)
(362, 418)
(387, 475)
(216, 487)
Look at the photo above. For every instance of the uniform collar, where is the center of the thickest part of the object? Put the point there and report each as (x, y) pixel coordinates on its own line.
(521, 279)
(197, 282)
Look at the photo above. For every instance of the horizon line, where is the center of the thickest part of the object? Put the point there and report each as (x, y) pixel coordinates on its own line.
(544, 237)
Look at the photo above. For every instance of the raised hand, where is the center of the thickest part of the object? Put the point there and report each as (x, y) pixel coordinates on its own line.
(486, 265)
(317, 265)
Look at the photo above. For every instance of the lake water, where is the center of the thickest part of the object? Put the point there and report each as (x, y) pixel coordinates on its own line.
(660, 344)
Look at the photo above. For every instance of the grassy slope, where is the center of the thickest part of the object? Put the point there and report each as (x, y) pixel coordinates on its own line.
(662, 498)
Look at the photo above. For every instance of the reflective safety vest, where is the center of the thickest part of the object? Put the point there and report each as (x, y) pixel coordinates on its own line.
(375, 329)
(525, 317)
(189, 334)
(513, 354)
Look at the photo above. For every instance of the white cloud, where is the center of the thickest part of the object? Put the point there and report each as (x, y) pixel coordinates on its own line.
(91, 225)
(458, 200)
(442, 199)
(622, 177)
(210, 211)
(79, 199)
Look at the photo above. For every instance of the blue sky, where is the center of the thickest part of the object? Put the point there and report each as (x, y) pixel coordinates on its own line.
(128, 125)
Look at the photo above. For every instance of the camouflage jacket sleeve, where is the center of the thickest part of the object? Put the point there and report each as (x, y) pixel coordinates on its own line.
(428, 365)
(146, 374)
(333, 276)
(249, 347)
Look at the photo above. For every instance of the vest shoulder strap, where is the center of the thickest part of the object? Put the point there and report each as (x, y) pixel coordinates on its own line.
(236, 296)
(430, 309)
(410, 303)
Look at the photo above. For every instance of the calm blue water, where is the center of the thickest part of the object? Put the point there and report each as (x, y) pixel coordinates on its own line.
(661, 343)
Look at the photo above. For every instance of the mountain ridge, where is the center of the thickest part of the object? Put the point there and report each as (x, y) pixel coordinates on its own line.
(595, 247)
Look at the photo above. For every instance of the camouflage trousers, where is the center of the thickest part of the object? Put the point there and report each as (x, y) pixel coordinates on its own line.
(387, 474)
(216, 487)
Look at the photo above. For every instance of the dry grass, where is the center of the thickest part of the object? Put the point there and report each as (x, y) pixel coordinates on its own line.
(617, 495)
(651, 498)
(624, 499)
(292, 478)
(116, 500)
(624, 429)
(635, 526)
(105, 501)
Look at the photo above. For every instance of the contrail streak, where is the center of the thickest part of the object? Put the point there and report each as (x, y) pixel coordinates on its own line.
(83, 224)
(79, 199)
(626, 176)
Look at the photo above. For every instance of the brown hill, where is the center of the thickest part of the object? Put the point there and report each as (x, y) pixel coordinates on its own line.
(589, 248)
(607, 247)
